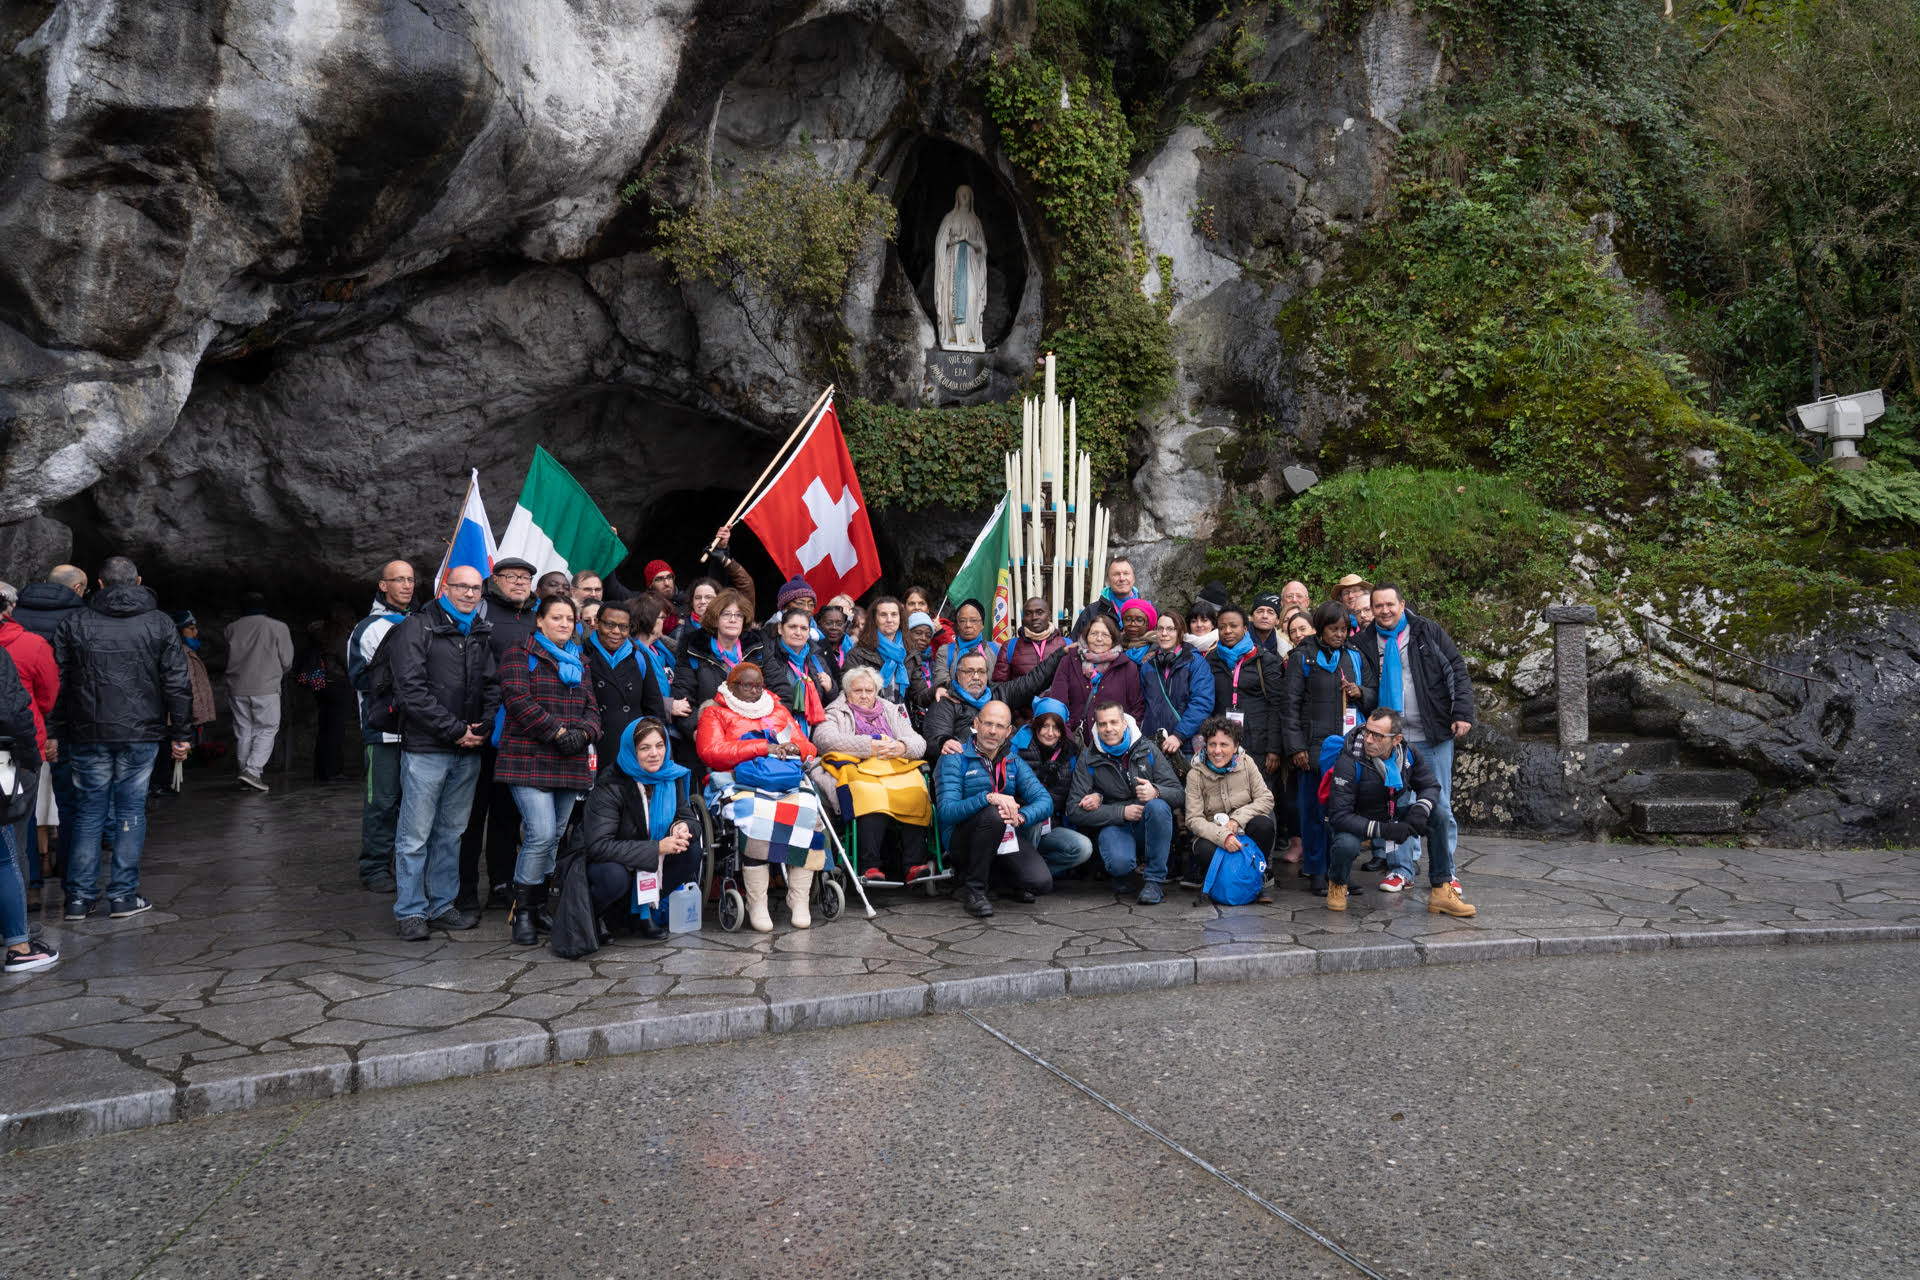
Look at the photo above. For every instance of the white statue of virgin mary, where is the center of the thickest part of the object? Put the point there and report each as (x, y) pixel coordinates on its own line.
(960, 276)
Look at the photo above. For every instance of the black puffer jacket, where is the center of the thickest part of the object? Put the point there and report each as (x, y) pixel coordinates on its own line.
(42, 607)
(511, 625)
(1054, 767)
(1257, 697)
(123, 672)
(1310, 709)
(1359, 799)
(443, 681)
(16, 715)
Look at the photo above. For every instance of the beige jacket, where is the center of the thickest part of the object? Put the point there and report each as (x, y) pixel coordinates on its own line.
(836, 732)
(1241, 793)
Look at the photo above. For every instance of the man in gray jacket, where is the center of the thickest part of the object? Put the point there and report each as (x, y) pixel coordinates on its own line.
(1124, 794)
(259, 655)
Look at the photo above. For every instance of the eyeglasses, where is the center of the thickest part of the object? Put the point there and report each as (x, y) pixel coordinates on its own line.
(1377, 736)
(735, 614)
(463, 588)
(608, 624)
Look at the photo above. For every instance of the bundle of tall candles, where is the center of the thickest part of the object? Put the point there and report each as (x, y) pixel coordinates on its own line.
(1059, 532)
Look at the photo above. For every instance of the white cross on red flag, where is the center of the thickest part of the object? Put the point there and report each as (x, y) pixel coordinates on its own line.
(812, 518)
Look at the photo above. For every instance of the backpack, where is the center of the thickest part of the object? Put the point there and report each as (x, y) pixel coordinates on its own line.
(381, 708)
(1234, 879)
(1330, 747)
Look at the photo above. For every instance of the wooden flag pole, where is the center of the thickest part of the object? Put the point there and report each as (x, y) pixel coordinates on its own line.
(753, 489)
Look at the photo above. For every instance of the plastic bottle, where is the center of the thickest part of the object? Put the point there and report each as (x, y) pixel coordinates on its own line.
(683, 909)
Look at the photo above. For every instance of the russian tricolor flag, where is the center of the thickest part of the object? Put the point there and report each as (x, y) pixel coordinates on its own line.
(472, 542)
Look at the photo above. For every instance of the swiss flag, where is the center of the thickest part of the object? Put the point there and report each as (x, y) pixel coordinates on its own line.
(812, 518)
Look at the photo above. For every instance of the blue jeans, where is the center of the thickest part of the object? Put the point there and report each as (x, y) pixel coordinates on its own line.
(13, 896)
(1063, 848)
(1442, 831)
(543, 816)
(1313, 823)
(108, 777)
(1149, 840)
(436, 796)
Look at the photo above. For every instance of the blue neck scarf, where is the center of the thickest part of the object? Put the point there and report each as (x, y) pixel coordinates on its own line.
(729, 658)
(1232, 653)
(1330, 662)
(958, 649)
(567, 659)
(846, 647)
(662, 799)
(190, 642)
(893, 664)
(618, 656)
(1126, 744)
(976, 701)
(802, 660)
(1390, 664)
(1207, 760)
(662, 655)
(461, 620)
(1106, 593)
(1390, 768)
(1140, 651)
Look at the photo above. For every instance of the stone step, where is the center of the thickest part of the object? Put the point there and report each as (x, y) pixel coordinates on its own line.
(1643, 754)
(1685, 817)
(1691, 801)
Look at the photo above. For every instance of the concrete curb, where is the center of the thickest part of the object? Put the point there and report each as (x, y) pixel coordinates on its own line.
(309, 1075)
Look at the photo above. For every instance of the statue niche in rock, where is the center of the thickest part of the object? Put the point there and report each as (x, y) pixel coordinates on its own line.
(960, 276)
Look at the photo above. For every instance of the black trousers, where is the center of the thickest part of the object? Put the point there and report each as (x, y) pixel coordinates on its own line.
(333, 705)
(495, 828)
(976, 862)
(613, 883)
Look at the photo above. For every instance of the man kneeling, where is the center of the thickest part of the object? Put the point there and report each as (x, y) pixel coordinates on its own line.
(990, 806)
(1124, 794)
(1383, 787)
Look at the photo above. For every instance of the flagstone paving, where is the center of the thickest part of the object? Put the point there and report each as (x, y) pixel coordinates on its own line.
(265, 973)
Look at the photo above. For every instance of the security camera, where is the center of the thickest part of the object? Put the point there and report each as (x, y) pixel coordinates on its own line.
(1843, 420)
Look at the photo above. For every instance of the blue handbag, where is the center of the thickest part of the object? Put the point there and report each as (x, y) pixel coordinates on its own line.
(768, 773)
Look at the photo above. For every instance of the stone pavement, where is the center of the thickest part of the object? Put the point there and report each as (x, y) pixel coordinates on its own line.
(265, 974)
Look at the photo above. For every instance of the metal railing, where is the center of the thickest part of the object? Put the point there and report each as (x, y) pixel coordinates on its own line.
(1713, 667)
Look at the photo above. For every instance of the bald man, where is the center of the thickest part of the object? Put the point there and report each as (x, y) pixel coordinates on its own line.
(990, 805)
(392, 602)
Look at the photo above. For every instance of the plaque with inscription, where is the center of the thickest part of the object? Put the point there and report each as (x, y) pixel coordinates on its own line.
(956, 374)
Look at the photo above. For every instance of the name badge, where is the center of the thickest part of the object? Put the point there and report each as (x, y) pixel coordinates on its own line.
(1237, 717)
(1009, 842)
(1350, 718)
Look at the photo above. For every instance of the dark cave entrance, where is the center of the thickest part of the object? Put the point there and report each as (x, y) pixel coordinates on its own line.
(678, 525)
(933, 168)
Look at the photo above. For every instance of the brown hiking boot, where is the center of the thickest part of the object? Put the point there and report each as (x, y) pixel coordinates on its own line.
(1337, 897)
(1445, 900)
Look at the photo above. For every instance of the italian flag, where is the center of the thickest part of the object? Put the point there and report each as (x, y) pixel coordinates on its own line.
(986, 574)
(556, 526)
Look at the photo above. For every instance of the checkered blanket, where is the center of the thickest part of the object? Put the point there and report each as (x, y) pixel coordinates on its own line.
(791, 824)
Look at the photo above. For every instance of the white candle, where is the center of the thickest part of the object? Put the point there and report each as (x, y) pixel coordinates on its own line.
(1049, 375)
(1059, 554)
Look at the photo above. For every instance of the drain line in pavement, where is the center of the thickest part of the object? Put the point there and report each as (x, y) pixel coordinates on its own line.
(1162, 1138)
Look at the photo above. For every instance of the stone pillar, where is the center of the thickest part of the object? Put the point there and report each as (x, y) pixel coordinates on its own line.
(1570, 623)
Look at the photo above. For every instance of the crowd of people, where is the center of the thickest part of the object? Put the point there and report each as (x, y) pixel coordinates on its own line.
(533, 743)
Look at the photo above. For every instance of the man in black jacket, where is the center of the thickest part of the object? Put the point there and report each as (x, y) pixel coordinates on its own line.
(1384, 788)
(626, 683)
(44, 605)
(1125, 795)
(495, 825)
(447, 686)
(1424, 678)
(950, 720)
(124, 690)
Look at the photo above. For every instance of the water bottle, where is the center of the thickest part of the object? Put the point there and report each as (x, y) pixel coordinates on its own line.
(683, 909)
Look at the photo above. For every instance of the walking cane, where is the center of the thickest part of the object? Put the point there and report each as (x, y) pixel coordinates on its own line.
(853, 872)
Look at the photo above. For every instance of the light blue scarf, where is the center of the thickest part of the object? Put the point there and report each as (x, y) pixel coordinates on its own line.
(1390, 665)
(567, 659)
(893, 665)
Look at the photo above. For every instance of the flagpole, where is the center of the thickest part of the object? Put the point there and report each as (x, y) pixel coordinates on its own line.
(752, 490)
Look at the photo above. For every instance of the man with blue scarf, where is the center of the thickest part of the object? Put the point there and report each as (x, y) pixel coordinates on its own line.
(1385, 789)
(1124, 795)
(446, 684)
(1424, 678)
(625, 674)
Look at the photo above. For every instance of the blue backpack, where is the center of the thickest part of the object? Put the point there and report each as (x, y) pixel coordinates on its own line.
(1234, 879)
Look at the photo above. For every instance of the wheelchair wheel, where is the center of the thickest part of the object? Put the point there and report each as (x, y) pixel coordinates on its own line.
(733, 911)
(833, 899)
